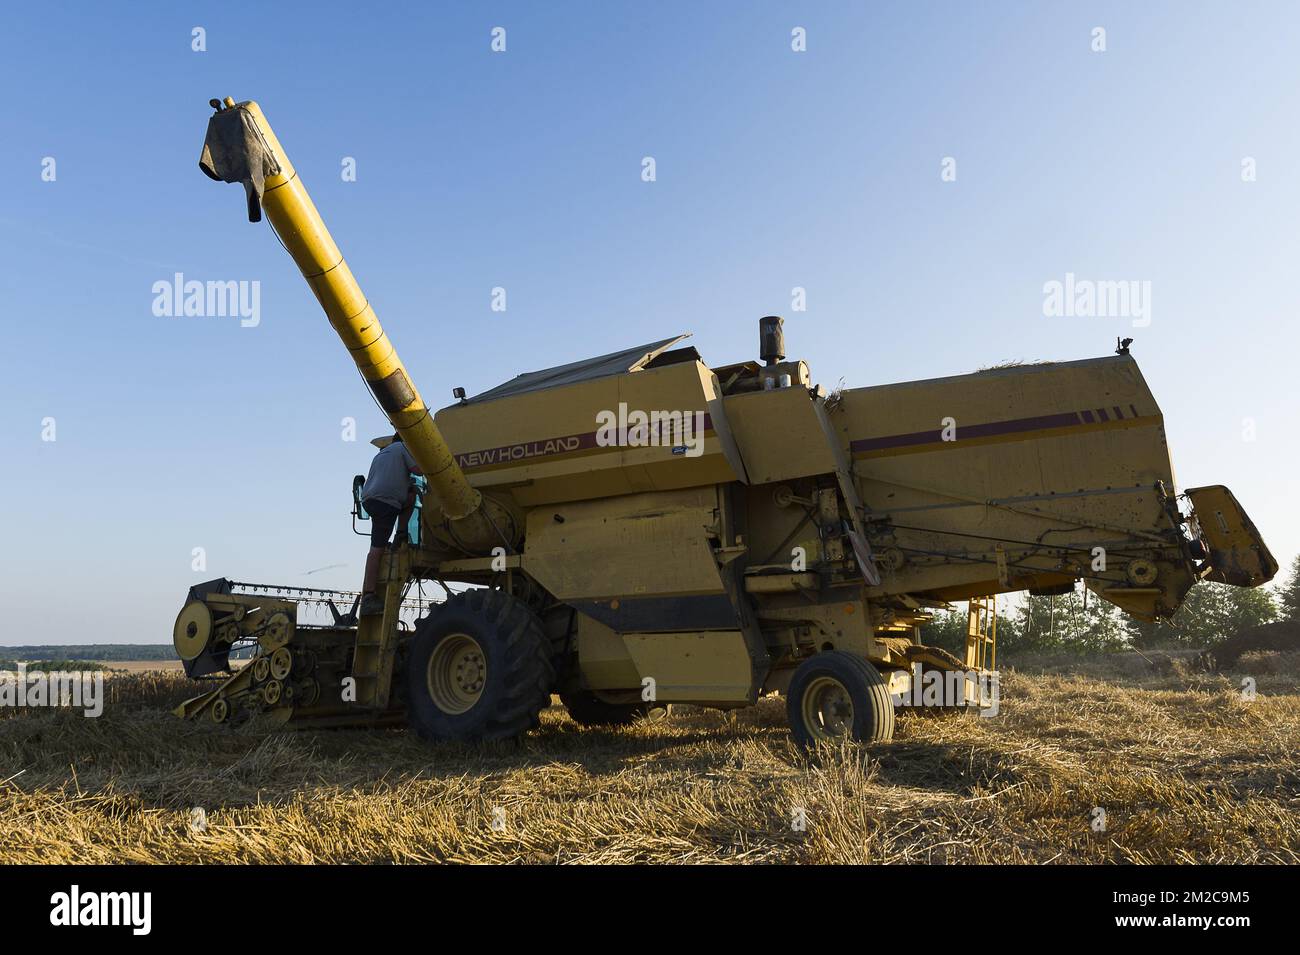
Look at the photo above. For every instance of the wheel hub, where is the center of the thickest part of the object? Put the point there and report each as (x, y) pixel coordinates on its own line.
(457, 673)
(828, 709)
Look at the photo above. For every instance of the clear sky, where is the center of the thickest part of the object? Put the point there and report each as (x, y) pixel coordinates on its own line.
(775, 169)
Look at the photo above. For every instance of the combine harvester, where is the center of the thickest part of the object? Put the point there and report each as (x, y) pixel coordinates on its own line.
(645, 527)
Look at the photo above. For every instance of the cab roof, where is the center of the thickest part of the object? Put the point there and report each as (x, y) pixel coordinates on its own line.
(615, 363)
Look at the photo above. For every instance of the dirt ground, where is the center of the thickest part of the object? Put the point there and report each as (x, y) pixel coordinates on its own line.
(1123, 760)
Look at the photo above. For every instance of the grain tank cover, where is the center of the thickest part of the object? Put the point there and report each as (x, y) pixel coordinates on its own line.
(589, 369)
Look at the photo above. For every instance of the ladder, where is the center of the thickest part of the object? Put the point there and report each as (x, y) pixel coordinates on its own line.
(982, 633)
(376, 645)
(375, 650)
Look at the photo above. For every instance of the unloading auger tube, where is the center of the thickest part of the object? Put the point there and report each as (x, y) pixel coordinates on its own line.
(241, 147)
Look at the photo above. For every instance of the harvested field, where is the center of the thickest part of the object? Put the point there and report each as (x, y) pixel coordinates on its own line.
(143, 666)
(1185, 769)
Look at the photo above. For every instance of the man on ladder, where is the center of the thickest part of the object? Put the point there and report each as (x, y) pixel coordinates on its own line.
(387, 495)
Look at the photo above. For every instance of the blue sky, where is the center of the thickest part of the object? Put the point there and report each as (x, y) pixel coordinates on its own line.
(522, 169)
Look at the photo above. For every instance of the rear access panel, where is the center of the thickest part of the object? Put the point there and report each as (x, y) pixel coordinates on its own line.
(635, 562)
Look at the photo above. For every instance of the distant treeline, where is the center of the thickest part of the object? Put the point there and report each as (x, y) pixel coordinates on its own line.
(91, 651)
(51, 666)
(1073, 622)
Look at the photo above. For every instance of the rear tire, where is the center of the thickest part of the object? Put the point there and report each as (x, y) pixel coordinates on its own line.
(838, 695)
(479, 669)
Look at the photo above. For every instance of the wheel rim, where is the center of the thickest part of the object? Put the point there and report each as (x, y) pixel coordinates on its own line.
(827, 709)
(457, 672)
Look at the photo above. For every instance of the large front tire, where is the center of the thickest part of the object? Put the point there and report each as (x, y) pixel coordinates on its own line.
(479, 669)
(839, 695)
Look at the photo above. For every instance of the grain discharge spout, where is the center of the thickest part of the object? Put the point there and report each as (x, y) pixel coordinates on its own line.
(241, 147)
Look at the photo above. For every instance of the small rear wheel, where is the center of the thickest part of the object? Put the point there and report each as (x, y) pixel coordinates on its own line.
(839, 695)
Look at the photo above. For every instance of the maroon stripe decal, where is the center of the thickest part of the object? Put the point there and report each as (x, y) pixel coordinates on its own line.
(991, 429)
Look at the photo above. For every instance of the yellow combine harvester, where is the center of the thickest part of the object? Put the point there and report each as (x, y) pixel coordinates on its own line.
(643, 527)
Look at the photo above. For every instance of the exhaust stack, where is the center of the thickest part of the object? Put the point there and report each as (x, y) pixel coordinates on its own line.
(771, 339)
